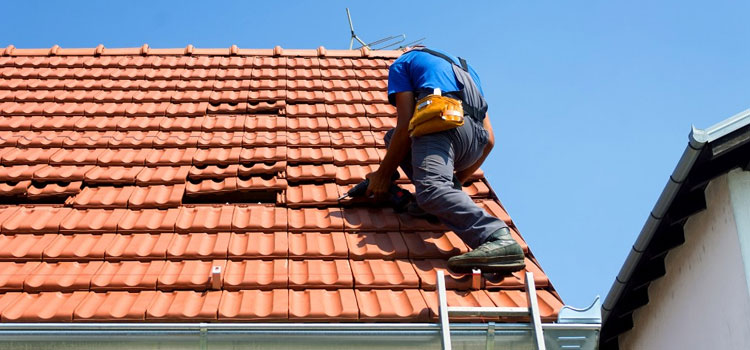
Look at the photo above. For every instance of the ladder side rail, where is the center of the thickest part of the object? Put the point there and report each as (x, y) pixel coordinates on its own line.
(445, 330)
(536, 319)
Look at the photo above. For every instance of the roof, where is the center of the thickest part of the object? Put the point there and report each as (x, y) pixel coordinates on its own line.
(201, 185)
(709, 154)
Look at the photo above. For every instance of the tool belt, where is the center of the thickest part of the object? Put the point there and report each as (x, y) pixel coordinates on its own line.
(435, 113)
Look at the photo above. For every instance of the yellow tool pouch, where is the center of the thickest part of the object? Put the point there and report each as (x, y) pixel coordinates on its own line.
(435, 113)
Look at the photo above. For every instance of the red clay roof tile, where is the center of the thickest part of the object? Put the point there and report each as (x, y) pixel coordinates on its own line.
(427, 271)
(38, 219)
(157, 196)
(187, 274)
(320, 245)
(423, 245)
(370, 219)
(139, 246)
(127, 276)
(101, 197)
(114, 306)
(43, 307)
(376, 245)
(392, 305)
(258, 245)
(78, 247)
(21, 247)
(13, 274)
(61, 276)
(199, 245)
(91, 220)
(312, 195)
(203, 218)
(254, 305)
(256, 274)
(217, 156)
(376, 273)
(322, 305)
(184, 305)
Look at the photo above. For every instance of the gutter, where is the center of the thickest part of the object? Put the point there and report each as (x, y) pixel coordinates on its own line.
(291, 335)
(698, 140)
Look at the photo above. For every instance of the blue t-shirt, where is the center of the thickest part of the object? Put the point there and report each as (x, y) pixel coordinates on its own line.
(420, 71)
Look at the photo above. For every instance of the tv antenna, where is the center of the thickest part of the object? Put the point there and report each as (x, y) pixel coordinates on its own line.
(381, 44)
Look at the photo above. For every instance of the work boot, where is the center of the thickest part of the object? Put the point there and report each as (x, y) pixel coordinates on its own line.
(500, 253)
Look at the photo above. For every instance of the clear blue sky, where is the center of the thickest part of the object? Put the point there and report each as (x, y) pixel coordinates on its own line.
(592, 101)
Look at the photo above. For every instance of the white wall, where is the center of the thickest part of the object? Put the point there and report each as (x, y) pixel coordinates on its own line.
(703, 301)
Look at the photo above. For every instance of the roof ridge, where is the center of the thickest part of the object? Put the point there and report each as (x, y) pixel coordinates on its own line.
(190, 50)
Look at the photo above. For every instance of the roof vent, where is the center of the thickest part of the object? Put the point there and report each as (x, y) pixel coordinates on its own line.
(99, 50)
(189, 49)
(53, 50)
(144, 49)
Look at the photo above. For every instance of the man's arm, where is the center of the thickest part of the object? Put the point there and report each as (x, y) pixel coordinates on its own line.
(465, 174)
(380, 180)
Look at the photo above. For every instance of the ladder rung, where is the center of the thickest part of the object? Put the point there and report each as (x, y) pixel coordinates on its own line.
(487, 311)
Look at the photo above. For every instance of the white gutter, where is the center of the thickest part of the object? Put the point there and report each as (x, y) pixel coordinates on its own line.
(290, 335)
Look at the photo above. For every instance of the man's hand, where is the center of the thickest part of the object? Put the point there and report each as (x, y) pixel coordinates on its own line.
(379, 184)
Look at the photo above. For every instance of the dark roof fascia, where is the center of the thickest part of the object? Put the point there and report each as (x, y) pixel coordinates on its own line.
(709, 154)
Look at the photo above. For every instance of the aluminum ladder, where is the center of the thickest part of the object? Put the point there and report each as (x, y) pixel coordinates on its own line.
(444, 311)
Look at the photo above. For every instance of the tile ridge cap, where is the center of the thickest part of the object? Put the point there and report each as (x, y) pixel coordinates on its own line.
(190, 50)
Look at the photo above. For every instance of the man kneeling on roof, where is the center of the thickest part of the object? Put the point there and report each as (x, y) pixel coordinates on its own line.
(439, 142)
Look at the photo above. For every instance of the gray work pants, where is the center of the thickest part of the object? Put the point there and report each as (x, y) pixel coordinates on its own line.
(430, 165)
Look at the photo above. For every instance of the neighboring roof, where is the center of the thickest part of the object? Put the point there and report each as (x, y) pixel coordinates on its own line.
(201, 185)
(709, 154)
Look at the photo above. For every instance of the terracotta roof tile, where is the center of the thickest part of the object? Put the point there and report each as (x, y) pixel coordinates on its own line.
(184, 305)
(76, 156)
(19, 172)
(91, 220)
(370, 219)
(38, 219)
(392, 305)
(21, 247)
(256, 274)
(78, 247)
(253, 305)
(258, 245)
(424, 245)
(13, 274)
(375, 245)
(101, 197)
(199, 245)
(187, 274)
(114, 306)
(216, 156)
(43, 307)
(249, 169)
(148, 220)
(160, 153)
(322, 245)
(323, 305)
(127, 275)
(139, 246)
(204, 218)
(384, 274)
(61, 276)
(312, 195)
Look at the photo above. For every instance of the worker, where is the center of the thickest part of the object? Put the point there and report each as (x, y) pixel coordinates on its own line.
(437, 162)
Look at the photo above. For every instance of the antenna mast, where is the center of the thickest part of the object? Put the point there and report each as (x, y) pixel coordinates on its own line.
(354, 36)
(385, 42)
